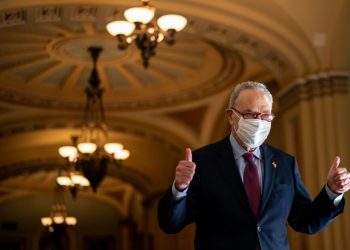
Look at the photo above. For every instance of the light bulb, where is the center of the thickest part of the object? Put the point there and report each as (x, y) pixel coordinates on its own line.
(175, 22)
(120, 28)
(122, 154)
(84, 182)
(87, 147)
(142, 14)
(79, 179)
(71, 221)
(160, 37)
(46, 221)
(58, 219)
(68, 151)
(64, 181)
(112, 148)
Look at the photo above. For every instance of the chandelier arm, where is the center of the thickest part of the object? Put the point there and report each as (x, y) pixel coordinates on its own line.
(141, 28)
(170, 37)
(122, 41)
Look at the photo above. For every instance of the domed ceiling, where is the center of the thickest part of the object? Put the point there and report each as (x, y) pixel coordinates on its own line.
(49, 65)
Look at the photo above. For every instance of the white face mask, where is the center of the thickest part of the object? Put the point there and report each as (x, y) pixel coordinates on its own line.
(253, 132)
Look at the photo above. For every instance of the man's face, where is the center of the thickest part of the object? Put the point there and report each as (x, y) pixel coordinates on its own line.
(249, 100)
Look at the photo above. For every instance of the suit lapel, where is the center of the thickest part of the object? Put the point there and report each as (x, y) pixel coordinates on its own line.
(229, 169)
(270, 170)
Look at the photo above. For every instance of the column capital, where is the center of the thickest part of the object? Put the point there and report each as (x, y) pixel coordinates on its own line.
(313, 86)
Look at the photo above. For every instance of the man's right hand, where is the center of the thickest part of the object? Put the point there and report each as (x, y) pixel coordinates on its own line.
(184, 171)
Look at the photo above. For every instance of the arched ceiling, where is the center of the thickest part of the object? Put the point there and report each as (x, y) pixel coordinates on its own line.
(58, 67)
(178, 101)
(113, 191)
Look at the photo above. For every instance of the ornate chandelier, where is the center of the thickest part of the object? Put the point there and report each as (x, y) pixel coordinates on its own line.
(89, 153)
(58, 219)
(141, 29)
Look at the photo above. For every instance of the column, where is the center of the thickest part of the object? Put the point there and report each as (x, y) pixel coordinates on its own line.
(147, 235)
(315, 114)
(125, 225)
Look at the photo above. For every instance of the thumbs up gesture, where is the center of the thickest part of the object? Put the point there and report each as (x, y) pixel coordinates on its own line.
(338, 179)
(184, 171)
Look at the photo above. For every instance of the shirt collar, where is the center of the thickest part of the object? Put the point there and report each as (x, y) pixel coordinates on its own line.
(238, 151)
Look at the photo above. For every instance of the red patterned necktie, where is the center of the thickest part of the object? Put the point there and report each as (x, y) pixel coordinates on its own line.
(251, 183)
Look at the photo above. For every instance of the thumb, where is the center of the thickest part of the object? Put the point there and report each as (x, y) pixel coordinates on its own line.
(336, 162)
(188, 154)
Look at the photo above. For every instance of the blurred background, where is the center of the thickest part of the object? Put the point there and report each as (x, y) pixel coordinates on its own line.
(156, 100)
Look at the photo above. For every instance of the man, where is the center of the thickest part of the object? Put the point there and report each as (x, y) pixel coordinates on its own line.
(240, 192)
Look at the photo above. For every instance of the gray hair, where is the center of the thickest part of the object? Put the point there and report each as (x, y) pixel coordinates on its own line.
(249, 85)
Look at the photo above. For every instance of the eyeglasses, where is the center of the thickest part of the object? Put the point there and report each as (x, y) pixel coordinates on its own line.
(255, 115)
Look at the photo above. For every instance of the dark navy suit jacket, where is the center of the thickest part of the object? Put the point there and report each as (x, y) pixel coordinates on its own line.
(216, 201)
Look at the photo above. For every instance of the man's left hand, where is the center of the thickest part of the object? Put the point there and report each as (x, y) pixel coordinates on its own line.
(338, 179)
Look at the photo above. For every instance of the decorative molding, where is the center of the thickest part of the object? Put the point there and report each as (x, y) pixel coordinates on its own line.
(128, 174)
(125, 129)
(244, 42)
(100, 14)
(314, 86)
(27, 167)
(37, 125)
(84, 13)
(231, 70)
(49, 14)
(18, 98)
(13, 17)
(225, 39)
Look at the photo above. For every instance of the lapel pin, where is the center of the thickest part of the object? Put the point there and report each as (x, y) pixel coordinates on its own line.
(274, 164)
